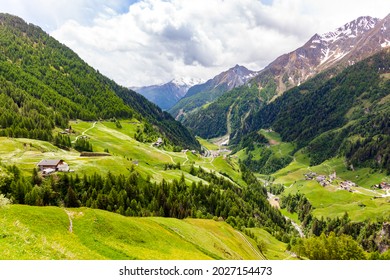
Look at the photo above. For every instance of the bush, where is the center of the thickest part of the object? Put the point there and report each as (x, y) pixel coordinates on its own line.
(4, 201)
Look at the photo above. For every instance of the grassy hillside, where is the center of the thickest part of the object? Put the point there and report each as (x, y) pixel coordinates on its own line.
(44, 233)
(328, 199)
(363, 203)
(125, 151)
(273, 248)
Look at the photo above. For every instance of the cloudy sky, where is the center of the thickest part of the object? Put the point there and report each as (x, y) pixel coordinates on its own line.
(144, 42)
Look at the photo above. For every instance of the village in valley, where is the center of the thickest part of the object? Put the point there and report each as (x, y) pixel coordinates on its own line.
(346, 185)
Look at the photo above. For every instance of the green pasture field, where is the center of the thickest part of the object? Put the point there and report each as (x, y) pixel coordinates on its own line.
(29, 233)
(208, 145)
(361, 204)
(125, 153)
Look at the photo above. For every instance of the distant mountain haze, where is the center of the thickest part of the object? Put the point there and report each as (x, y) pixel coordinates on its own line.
(168, 94)
(201, 94)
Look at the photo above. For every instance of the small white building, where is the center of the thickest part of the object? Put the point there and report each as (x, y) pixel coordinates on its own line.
(64, 167)
(159, 142)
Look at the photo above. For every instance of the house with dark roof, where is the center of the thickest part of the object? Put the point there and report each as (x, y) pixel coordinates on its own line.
(53, 165)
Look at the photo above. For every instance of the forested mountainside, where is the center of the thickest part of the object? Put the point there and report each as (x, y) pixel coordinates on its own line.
(44, 84)
(331, 52)
(348, 114)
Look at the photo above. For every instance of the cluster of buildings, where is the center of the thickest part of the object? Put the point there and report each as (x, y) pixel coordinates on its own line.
(66, 131)
(192, 151)
(158, 143)
(323, 180)
(382, 185)
(347, 185)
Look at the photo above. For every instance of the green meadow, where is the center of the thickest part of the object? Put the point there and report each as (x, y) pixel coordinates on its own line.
(125, 153)
(43, 232)
(29, 233)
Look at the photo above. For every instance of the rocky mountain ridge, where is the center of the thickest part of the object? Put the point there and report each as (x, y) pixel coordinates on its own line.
(342, 47)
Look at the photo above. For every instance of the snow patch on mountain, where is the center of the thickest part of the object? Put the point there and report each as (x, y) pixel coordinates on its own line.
(350, 30)
(187, 81)
(337, 44)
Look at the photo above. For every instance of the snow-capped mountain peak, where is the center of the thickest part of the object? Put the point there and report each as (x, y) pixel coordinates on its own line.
(333, 46)
(187, 81)
(352, 29)
(343, 46)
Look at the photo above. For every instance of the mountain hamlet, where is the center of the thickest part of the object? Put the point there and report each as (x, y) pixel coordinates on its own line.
(289, 162)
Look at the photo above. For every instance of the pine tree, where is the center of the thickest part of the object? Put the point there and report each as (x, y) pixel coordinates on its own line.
(71, 198)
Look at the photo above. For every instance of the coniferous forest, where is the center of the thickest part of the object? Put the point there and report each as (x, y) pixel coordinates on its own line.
(45, 84)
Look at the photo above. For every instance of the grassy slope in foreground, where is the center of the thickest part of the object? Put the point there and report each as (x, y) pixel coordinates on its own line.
(44, 233)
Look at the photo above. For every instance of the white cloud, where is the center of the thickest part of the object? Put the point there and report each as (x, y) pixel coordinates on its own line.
(153, 41)
(51, 14)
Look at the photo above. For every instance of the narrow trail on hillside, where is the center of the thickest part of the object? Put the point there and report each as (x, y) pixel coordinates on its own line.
(164, 153)
(260, 255)
(187, 159)
(70, 214)
(83, 133)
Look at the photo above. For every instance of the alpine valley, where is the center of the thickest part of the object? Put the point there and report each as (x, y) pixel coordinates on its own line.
(290, 162)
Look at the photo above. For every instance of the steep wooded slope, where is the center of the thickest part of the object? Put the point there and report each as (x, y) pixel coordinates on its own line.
(43, 84)
(346, 115)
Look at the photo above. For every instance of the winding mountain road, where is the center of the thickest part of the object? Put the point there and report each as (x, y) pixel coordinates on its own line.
(83, 133)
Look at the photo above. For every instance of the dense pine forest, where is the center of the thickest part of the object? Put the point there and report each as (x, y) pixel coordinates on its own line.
(44, 84)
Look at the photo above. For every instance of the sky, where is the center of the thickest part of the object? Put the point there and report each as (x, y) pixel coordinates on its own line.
(145, 42)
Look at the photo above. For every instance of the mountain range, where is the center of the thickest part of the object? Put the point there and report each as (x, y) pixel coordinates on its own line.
(201, 94)
(344, 46)
(328, 53)
(347, 115)
(168, 94)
